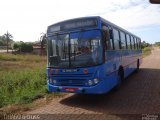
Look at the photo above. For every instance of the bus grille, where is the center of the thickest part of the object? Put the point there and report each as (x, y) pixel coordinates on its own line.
(73, 75)
(72, 79)
(71, 82)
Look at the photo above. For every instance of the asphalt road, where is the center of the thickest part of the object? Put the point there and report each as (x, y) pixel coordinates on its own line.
(138, 97)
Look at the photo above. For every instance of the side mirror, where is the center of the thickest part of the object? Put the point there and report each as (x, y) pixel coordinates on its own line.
(155, 1)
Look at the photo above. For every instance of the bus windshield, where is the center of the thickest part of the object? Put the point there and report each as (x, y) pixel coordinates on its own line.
(78, 49)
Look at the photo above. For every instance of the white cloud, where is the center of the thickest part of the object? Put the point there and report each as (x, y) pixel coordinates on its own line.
(26, 19)
(134, 15)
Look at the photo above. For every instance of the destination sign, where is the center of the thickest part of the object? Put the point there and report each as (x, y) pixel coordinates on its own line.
(79, 24)
(74, 24)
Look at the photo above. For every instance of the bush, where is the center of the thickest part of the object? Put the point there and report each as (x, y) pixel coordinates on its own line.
(146, 51)
(26, 47)
(23, 47)
(145, 44)
(16, 46)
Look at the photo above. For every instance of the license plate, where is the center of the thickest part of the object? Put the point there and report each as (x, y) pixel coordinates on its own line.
(71, 89)
(70, 70)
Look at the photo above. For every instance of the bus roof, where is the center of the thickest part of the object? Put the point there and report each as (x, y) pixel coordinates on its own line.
(98, 18)
(74, 19)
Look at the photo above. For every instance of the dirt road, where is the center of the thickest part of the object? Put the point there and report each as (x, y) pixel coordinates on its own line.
(138, 96)
(4, 51)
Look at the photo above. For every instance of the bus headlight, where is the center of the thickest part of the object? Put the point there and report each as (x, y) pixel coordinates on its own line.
(50, 80)
(54, 81)
(90, 82)
(93, 82)
(96, 80)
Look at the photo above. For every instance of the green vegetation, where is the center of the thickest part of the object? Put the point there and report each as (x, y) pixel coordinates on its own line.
(146, 48)
(146, 51)
(22, 78)
(6, 40)
(145, 44)
(157, 44)
(22, 47)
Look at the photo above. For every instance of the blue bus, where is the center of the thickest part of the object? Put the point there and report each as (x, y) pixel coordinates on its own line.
(90, 55)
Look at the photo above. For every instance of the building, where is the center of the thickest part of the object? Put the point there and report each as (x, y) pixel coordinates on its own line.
(37, 49)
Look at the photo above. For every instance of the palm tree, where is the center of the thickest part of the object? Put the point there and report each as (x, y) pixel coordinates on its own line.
(43, 40)
(7, 37)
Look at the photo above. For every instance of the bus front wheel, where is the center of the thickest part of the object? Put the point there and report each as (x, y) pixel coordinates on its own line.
(120, 77)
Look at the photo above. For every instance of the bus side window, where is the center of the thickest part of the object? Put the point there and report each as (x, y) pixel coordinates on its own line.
(139, 46)
(132, 42)
(111, 38)
(116, 39)
(139, 40)
(135, 43)
(108, 38)
(128, 41)
(123, 40)
(135, 39)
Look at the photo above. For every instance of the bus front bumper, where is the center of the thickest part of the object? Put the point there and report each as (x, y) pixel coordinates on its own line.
(96, 89)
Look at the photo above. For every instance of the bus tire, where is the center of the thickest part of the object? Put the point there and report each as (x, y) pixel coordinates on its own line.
(137, 69)
(120, 78)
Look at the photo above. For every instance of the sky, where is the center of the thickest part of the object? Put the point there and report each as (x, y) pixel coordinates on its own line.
(26, 20)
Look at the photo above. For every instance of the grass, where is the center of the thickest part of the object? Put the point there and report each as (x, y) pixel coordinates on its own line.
(22, 79)
(146, 51)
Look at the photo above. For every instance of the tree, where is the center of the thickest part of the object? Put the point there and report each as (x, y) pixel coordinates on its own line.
(2, 41)
(26, 47)
(43, 40)
(157, 43)
(7, 36)
(16, 46)
(23, 47)
(144, 44)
